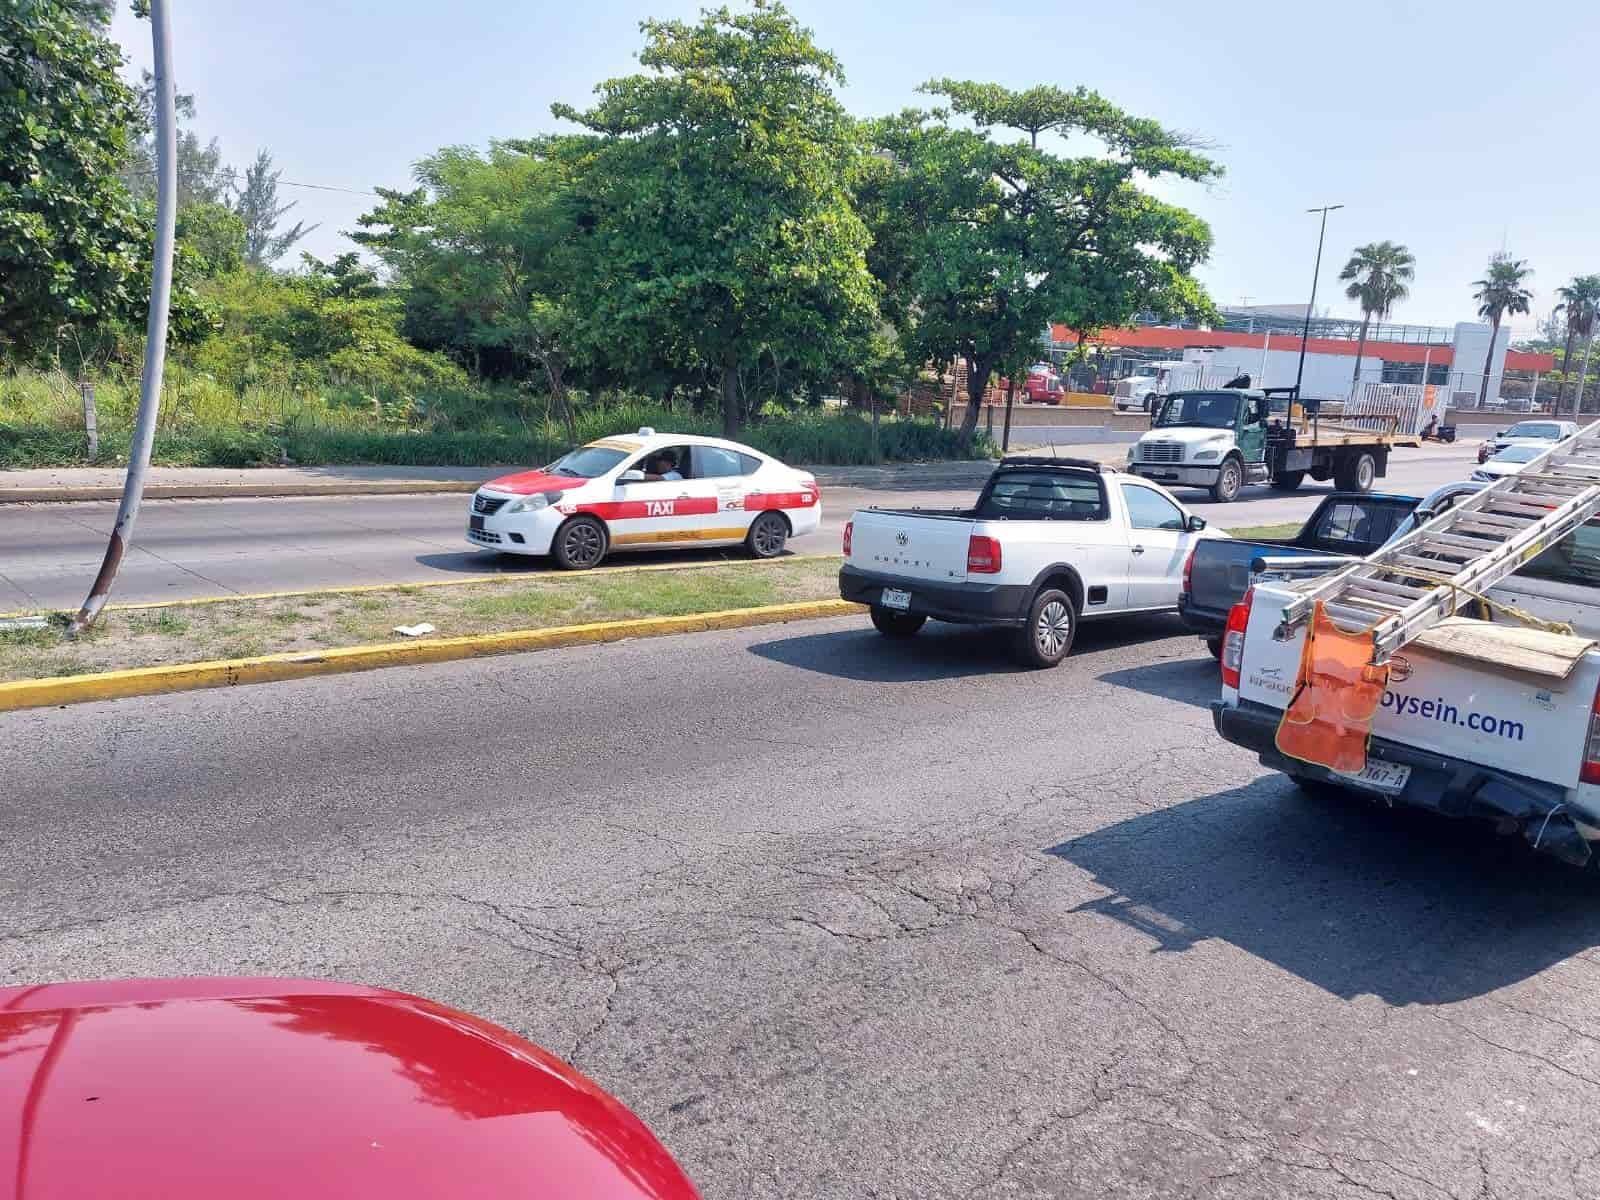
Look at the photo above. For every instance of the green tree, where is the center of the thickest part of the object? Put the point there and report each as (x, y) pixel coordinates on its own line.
(1499, 293)
(70, 236)
(203, 178)
(214, 236)
(989, 240)
(487, 252)
(716, 183)
(1378, 274)
(1580, 305)
(257, 205)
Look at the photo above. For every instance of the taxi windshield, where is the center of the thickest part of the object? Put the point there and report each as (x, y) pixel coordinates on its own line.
(1210, 410)
(587, 462)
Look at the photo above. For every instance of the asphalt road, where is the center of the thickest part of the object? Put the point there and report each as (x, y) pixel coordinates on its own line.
(49, 553)
(847, 918)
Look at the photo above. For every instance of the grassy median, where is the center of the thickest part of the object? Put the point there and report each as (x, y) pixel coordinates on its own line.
(181, 633)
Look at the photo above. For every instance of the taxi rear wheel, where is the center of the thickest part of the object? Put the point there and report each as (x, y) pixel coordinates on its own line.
(579, 544)
(768, 535)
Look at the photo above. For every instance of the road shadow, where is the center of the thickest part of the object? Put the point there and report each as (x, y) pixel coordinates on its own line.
(1193, 679)
(942, 651)
(1351, 896)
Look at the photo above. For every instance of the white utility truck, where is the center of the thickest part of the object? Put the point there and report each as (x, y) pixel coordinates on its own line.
(1498, 720)
(1050, 542)
(1223, 438)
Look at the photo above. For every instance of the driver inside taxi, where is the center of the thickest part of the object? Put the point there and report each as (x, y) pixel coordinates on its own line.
(660, 466)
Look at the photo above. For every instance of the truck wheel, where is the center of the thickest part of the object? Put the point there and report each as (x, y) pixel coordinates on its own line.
(1288, 481)
(896, 624)
(579, 544)
(1229, 480)
(1047, 636)
(1355, 473)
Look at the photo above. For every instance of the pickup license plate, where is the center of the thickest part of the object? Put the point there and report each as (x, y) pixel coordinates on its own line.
(475, 524)
(893, 598)
(1388, 778)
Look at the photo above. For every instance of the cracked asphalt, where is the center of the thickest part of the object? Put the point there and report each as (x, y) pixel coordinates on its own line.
(846, 918)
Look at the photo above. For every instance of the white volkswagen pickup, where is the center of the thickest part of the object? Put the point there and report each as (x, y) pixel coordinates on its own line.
(1050, 542)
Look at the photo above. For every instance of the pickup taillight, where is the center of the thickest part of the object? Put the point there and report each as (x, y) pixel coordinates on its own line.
(983, 555)
(1591, 753)
(849, 528)
(1188, 569)
(1233, 639)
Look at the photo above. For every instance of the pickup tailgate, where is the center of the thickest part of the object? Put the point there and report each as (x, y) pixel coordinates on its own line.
(1529, 726)
(1220, 573)
(930, 545)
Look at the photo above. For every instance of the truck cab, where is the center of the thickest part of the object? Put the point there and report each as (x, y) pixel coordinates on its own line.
(1210, 439)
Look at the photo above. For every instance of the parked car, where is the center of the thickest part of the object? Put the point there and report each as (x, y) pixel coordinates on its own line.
(1218, 573)
(254, 1089)
(1509, 461)
(1050, 542)
(1525, 433)
(1457, 730)
(646, 491)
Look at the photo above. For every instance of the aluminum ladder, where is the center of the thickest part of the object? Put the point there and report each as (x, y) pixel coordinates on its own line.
(1410, 585)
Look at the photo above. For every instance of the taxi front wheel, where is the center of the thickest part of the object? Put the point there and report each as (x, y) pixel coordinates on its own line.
(579, 544)
(768, 535)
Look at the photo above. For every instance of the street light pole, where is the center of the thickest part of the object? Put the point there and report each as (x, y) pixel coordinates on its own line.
(155, 346)
(1305, 333)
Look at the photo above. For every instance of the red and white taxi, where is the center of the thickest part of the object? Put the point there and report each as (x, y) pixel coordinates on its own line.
(646, 490)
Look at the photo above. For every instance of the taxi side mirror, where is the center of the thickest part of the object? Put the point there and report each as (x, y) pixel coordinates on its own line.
(635, 476)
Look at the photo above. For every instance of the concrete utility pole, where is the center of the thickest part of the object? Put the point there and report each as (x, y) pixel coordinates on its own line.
(155, 347)
(1305, 333)
(1583, 377)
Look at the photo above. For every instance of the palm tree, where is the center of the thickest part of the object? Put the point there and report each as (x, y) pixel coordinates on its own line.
(1500, 292)
(1580, 301)
(1378, 274)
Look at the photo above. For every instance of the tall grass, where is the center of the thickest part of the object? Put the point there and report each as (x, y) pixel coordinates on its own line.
(268, 423)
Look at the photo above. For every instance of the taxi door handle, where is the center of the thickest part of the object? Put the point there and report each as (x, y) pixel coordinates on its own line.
(1138, 549)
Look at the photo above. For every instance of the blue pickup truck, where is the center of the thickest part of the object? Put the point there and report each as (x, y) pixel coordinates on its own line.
(1345, 524)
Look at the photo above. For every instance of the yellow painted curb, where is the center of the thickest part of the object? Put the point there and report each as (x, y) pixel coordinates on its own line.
(358, 589)
(238, 491)
(270, 668)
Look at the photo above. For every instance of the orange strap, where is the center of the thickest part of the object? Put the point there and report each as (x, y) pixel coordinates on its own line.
(1337, 691)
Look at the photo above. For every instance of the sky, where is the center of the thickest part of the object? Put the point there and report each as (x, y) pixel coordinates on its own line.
(1446, 127)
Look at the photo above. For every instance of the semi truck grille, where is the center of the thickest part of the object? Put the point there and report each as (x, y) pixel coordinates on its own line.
(1162, 452)
(488, 504)
(1124, 389)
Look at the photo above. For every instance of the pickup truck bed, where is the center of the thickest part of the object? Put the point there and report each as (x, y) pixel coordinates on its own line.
(1351, 524)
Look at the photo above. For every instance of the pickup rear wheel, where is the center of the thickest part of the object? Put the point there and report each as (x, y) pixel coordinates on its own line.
(1287, 481)
(896, 624)
(1230, 478)
(1214, 644)
(1047, 636)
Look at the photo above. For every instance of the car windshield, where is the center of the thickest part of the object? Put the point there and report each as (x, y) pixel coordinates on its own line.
(1211, 410)
(587, 462)
(1519, 454)
(1534, 429)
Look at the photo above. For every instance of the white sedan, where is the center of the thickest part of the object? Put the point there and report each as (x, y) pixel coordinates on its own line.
(1509, 461)
(646, 490)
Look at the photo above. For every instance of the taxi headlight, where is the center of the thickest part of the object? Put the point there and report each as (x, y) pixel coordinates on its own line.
(534, 502)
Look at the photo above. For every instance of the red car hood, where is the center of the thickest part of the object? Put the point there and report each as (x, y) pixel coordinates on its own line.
(257, 1088)
(526, 483)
